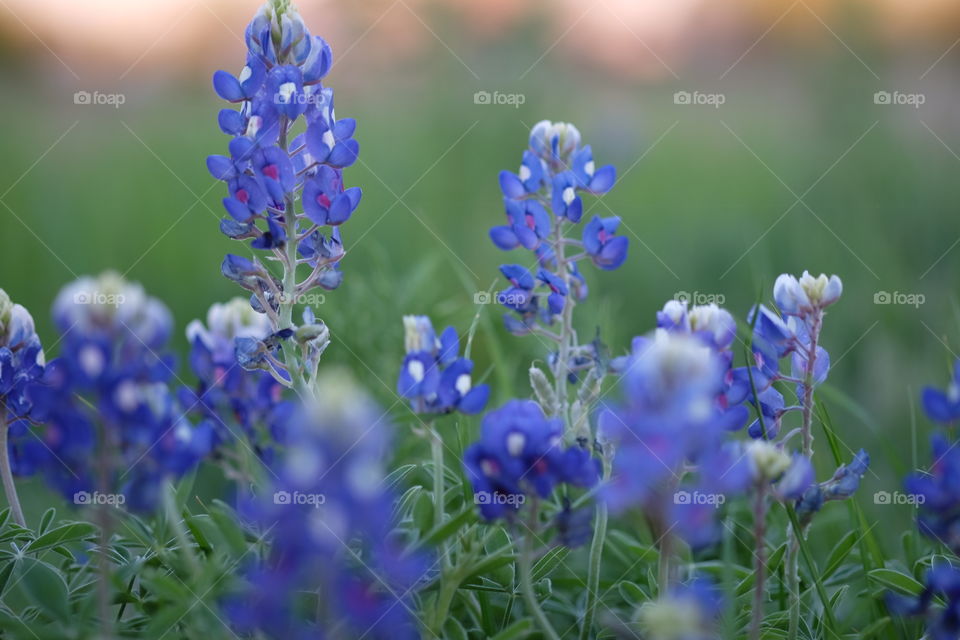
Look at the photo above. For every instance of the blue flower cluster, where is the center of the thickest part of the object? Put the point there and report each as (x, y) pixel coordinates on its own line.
(542, 201)
(333, 561)
(433, 376)
(240, 403)
(110, 420)
(796, 334)
(682, 395)
(841, 485)
(268, 171)
(716, 329)
(937, 492)
(669, 415)
(21, 359)
(520, 454)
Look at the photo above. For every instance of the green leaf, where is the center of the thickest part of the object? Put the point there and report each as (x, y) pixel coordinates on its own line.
(47, 519)
(896, 580)
(631, 592)
(44, 587)
(73, 532)
(439, 534)
(840, 553)
(519, 629)
(5, 571)
(226, 520)
(453, 630)
(545, 565)
(776, 559)
(423, 512)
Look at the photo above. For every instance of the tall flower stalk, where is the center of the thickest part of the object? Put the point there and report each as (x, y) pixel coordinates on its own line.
(271, 169)
(543, 204)
(21, 363)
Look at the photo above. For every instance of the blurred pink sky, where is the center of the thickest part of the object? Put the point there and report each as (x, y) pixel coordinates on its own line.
(645, 38)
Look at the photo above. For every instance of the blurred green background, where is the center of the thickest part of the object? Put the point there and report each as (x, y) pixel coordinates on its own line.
(708, 196)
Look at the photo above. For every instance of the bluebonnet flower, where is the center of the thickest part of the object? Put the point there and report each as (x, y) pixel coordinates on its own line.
(939, 512)
(689, 611)
(520, 454)
(230, 396)
(668, 417)
(433, 376)
(841, 485)
(716, 328)
(944, 406)
(796, 334)
(110, 421)
(334, 565)
(942, 583)
(21, 359)
(606, 250)
(542, 201)
(268, 170)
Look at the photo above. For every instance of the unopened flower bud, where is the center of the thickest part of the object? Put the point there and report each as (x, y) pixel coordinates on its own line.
(543, 391)
(768, 460)
(418, 334)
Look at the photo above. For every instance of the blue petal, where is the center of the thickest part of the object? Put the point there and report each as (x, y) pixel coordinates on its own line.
(220, 167)
(511, 185)
(475, 400)
(603, 179)
(227, 87)
(504, 238)
(231, 122)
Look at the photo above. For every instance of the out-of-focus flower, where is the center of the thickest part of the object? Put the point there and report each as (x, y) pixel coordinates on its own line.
(21, 359)
(328, 520)
(688, 611)
(110, 421)
(944, 406)
(230, 396)
(520, 454)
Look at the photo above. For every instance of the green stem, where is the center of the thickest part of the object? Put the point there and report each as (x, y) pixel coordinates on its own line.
(793, 584)
(596, 558)
(525, 565)
(9, 488)
(760, 558)
(797, 533)
(593, 573)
